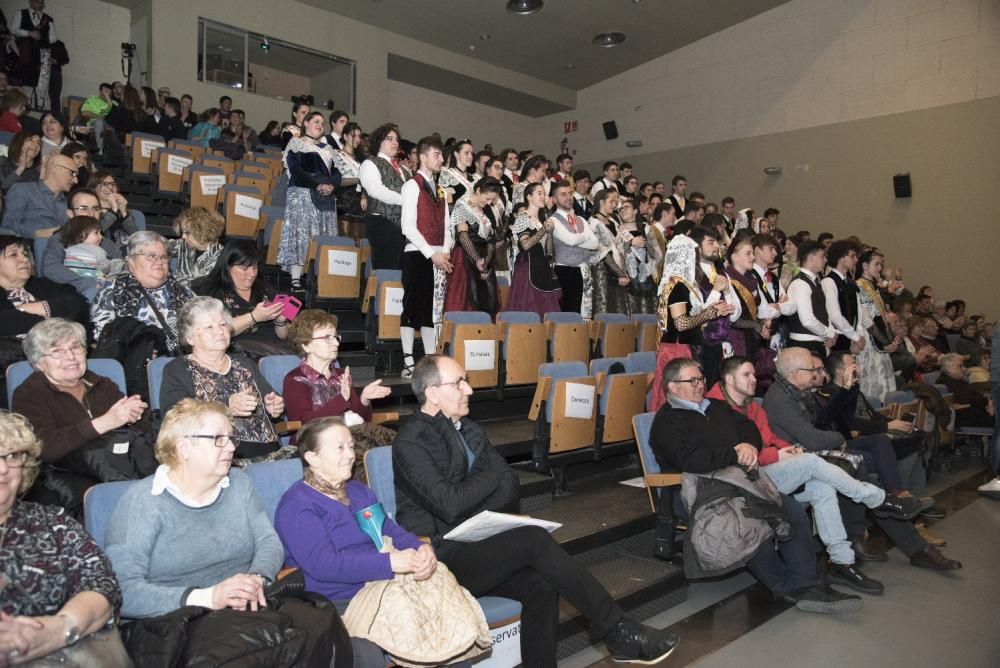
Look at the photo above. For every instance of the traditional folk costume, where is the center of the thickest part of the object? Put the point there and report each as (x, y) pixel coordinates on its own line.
(382, 178)
(574, 244)
(308, 214)
(607, 265)
(878, 376)
(468, 289)
(534, 286)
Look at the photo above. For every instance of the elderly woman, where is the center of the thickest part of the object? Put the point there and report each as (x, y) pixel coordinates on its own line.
(194, 533)
(146, 292)
(258, 327)
(198, 248)
(210, 374)
(317, 388)
(315, 520)
(27, 300)
(979, 408)
(21, 162)
(68, 405)
(56, 586)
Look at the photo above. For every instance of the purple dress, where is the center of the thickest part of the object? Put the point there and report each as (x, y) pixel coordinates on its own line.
(533, 284)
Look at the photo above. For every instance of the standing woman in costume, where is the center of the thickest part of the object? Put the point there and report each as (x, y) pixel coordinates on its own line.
(350, 199)
(875, 359)
(311, 206)
(749, 334)
(382, 177)
(458, 178)
(535, 170)
(607, 266)
(472, 285)
(641, 259)
(534, 286)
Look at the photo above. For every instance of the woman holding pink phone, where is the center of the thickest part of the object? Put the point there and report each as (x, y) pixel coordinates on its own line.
(260, 325)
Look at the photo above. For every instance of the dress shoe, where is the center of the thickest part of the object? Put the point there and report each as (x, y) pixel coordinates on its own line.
(864, 551)
(932, 514)
(990, 489)
(825, 599)
(632, 642)
(851, 576)
(928, 537)
(901, 507)
(931, 558)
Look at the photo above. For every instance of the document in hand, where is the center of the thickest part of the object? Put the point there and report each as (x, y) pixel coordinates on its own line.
(489, 523)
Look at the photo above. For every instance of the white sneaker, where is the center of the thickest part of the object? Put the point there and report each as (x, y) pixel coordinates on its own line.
(991, 489)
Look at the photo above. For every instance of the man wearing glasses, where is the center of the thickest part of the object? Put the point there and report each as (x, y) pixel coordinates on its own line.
(34, 207)
(693, 434)
(82, 202)
(446, 471)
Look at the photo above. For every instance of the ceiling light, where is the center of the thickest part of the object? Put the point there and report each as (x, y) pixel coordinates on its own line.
(485, 37)
(607, 40)
(570, 66)
(524, 7)
(472, 47)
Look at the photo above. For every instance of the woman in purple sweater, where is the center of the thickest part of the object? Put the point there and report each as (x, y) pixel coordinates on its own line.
(315, 520)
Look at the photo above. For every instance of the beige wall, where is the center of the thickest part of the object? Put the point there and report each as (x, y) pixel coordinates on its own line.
(93, 32)
(946, 235)
(803, 64)
(420, 112)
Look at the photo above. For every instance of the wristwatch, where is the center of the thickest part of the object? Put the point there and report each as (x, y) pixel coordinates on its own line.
(72, 634)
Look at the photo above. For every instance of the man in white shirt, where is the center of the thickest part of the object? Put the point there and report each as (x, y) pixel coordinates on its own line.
(582, 206)
(841, 293)
(609, 180)
(729, 213)
(424, 222)
(679, 186)
(382, 178)
(809, 326)
(574, 243)
(338, 119)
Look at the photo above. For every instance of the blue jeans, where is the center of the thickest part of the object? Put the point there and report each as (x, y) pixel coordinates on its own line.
(792, 567)
(822, 481)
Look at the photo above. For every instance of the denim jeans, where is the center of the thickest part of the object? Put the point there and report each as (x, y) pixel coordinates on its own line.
(792, 567)
(822, 481)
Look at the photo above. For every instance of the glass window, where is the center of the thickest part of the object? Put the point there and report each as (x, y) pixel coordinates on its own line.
(259, 64)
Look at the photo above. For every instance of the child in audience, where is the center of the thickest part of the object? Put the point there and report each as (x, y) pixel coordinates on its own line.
(84, 255)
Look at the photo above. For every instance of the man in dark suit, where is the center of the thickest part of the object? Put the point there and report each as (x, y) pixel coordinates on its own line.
(582, 206)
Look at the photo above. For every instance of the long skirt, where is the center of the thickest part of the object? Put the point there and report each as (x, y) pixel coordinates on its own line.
(665, 353)
(303, 221)
(467, 290)
(526, 297)
(609, 297)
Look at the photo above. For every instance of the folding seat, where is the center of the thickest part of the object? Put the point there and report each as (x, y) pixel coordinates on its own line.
(620, 396)
(660, 486)
(470, 338)
(241, 209)
(647, 332)
(564, 410)
(523, 346)
(612, 334)
(568, 336)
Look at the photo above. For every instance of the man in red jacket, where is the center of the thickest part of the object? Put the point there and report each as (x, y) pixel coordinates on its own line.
(791, 467)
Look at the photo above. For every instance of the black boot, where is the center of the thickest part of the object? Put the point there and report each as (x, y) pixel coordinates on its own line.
(632, 642)
(851, 576)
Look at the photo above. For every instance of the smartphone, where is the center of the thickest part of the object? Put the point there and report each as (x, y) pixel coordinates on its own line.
(292, 306)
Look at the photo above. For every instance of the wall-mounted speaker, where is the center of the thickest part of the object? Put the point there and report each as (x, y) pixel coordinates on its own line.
(901, 185)
(610, 130)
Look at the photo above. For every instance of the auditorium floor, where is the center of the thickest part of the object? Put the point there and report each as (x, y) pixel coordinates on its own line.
(923, 619)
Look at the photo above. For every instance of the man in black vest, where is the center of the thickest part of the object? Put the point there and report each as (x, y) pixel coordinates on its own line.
(841, 293)
(809, 327)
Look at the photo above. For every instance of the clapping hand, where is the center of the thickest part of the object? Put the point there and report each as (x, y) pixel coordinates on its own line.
(374, 390)
(127, 410)
(721, 283)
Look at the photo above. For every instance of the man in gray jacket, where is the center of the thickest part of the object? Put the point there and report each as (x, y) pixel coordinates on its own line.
(84, 203)
(792, 411)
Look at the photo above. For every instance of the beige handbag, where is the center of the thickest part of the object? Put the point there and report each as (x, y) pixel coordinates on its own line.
(428, 623)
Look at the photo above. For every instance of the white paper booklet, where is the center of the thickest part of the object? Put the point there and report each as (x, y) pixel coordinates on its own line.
(489, 523)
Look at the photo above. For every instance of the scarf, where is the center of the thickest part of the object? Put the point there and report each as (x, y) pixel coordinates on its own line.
(321, 389)
(805, 400)
(679, 267)
(324, 486)
(306, 145)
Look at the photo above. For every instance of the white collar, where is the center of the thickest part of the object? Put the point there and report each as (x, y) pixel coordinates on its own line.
(807, 273)
(162, 482)
(577, 195)
(384, 156)
(760, 270)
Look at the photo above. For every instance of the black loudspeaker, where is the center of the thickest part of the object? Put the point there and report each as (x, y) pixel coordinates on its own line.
(610, 130)
(901, 185)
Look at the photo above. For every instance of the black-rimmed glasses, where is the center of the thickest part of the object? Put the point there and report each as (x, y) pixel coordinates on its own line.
(329, 338)
(219, 440)
(456, 383)
(694, 381)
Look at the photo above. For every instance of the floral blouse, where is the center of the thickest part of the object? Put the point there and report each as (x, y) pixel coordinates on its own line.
(47, 558)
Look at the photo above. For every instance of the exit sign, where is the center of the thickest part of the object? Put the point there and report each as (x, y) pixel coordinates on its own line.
(568, 127)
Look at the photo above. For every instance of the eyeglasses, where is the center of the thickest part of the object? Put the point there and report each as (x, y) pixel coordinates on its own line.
(153, 258)
(15, 460)
(220, 440)
(71, 171)
(329, 338)
(66, 353)
(457, 383)
(700, 380)
(108, 184)
(89, 209)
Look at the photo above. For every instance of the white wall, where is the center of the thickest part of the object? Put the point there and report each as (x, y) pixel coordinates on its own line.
(420, 112)
(93, 32)
(804, 64)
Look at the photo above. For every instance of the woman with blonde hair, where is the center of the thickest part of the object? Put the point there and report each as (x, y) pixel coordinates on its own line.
(198, 248)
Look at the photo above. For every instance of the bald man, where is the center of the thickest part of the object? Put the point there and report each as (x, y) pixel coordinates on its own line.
(34, 208)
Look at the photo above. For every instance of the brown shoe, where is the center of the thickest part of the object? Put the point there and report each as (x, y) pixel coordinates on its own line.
(932, 559)
(864, 551)
(930, 538)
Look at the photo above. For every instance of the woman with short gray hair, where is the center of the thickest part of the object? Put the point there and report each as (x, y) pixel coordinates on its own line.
(68, 405)
(209, 373)
(146, 292)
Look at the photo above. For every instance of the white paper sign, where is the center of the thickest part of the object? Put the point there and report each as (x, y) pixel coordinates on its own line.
(342, 263)
(120, 448)
(394, 301)
(177, 163)
(579, 401)
(506, 650)
(210, 183)
(490, 523)
(480, 354)
(146, 147)
(248, 207)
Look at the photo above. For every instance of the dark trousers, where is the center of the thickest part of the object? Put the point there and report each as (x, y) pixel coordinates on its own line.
(817, 347)
(571, 282)
(386, 240)
(792, 567)
(995, 445)
(902, 533)
(527, 565)
(880, 458)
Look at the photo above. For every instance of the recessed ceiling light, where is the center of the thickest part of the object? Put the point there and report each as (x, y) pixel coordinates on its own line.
(524, 7)
(570, 66)
(606, 40)
(472, 47)
(485, 37)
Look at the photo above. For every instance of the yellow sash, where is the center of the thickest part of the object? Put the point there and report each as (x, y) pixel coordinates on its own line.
(747, 297)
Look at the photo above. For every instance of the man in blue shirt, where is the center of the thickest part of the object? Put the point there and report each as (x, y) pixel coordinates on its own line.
(40, 206)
